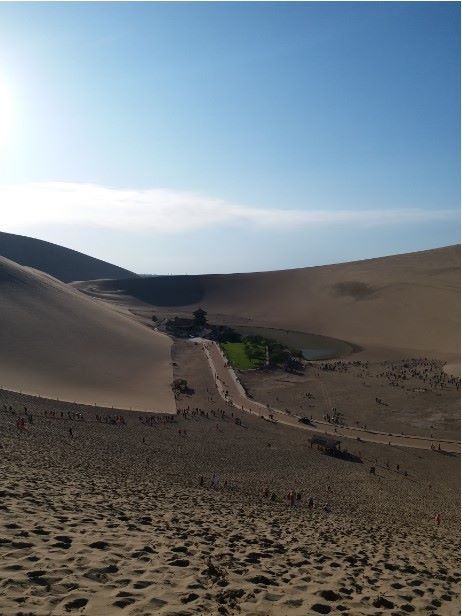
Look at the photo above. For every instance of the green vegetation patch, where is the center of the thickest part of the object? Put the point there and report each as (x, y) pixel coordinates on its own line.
(244, 356)
(256, 351)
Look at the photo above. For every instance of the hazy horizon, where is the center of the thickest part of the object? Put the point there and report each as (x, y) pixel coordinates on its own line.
(327, 263)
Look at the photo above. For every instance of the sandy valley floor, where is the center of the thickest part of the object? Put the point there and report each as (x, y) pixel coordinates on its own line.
(113, 519)
(415, 395)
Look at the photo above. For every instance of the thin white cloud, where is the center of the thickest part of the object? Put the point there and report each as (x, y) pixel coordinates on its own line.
(171, 211)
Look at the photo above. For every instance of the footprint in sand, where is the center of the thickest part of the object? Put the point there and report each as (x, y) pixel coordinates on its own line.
(21, 545)
(99, 545)
(329, 595)
(40, 531)
(63, 541)
(263, 580)
(142, 584)
(321, 608)
(192, 596)
(382, 602)
(75, 604)
(179, 562)
(121, 603)
(13, 568)
(294, 602)
(157, 603)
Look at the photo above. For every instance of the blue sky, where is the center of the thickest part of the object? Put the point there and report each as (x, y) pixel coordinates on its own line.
(216, 137)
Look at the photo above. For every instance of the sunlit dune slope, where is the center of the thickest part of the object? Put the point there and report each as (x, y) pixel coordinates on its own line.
(62, 263)
(57, 342)
(409, 301)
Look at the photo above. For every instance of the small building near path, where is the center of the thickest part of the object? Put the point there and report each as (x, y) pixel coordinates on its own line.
(181, 327)
(326, 444)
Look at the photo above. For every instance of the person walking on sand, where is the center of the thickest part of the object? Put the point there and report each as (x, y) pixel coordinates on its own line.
(438, 519)
(71, 434)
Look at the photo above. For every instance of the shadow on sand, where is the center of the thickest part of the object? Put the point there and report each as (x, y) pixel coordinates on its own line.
(344, 455)
(442, 452)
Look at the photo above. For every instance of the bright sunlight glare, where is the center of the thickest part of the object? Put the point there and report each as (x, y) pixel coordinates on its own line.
(6, 111)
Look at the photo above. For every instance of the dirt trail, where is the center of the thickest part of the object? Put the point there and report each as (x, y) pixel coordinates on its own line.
(232, 390)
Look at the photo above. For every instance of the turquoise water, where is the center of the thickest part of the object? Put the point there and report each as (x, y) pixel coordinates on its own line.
(312, 354)
(312, 346)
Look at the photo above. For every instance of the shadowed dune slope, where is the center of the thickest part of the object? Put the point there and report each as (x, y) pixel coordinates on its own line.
(409, 301)
(62, 263)
(57, 342)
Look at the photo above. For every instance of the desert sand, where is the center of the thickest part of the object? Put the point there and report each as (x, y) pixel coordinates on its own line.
(114, 519)
(186, 511)
(62, 263)
(58, 343)
(286, 398)
(409, 302)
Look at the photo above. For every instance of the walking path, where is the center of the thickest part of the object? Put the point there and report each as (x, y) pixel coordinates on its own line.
(232, 391)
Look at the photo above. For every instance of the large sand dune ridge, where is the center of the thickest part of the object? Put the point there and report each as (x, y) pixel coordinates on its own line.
(409, 301)
(57, 342)
(62, 263)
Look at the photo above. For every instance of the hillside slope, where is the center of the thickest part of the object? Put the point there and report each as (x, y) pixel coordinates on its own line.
(409, 301)
(56, 342)
(62, 263)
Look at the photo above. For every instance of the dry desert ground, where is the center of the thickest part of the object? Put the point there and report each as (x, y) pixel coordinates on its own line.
(181, 506)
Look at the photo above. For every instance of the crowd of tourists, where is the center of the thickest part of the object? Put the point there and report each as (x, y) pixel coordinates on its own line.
(156, 420)
(428, 371)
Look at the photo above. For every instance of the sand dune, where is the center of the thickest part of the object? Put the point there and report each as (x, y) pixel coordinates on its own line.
(62, 263)
(115, 521)
(409, 301)
(56, 342)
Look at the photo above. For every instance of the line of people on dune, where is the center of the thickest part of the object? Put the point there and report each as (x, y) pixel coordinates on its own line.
(293, 498)
(188, 413)
(153, 420)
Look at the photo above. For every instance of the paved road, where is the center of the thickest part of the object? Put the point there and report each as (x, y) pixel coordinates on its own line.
(232, 391)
